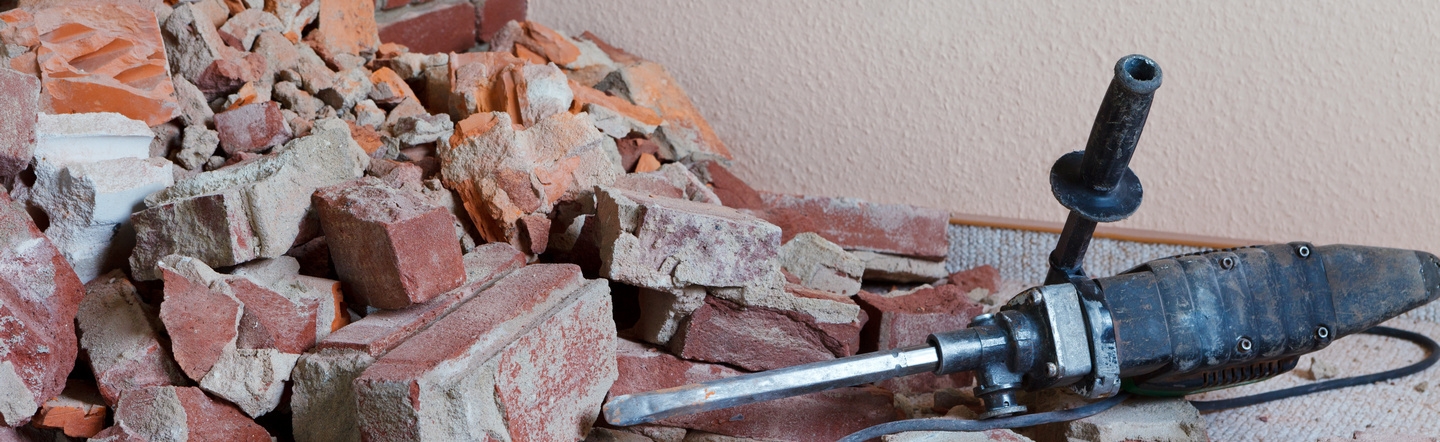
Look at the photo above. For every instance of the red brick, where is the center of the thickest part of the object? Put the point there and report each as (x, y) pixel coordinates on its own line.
(323, 402)
(535, 352)
(39, 296)
(733, 192)
(824, 416)
(151, 413)
(906, 320)
(896, 229)
(391, 248)
(119, 65)
(227, 75)
(122, 339)
(252, 128)
(346, 27)
(21, 95)
(632, 148)
(433, 28)
(201, 321)
(498, 12)
(380, 331)
(760, 338)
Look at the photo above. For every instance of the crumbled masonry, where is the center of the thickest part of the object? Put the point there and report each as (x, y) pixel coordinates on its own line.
(387, 220)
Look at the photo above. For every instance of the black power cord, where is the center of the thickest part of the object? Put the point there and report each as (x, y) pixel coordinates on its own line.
(1418, 339)
(1030, 420)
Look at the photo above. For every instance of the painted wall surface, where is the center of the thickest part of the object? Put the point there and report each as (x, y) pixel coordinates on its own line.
(1277, 121)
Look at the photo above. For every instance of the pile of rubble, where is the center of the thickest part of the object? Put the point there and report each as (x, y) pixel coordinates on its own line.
(247, 219)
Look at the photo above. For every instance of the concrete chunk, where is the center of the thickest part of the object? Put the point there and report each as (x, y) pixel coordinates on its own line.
(176, 414)
(254, 209)
(821, 265)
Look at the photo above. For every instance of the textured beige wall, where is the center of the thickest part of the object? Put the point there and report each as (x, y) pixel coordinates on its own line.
(1282, 121)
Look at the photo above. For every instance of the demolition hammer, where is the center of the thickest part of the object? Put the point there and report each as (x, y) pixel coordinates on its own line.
(1170, 327)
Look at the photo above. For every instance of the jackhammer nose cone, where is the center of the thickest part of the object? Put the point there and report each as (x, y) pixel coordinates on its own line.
(1430, 269)
(1372, 284)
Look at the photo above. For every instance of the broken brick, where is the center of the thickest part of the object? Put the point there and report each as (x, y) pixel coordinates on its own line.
(120, 65)
(647, 163)
(760, 338)
(21, 93)
(732, 191)
(39, 296)
(184, 413)
(496, 13)
(192, 42)
(669, 244)
(614, 115)
(846, 410)
(389, 88)
(252, 128)
(822, 265)
(79, 411)
(323, 402)
(537, 351)
(391, 248)
(505, 174)
(436, 27)
(900, 320)
(685, 135)
(892, 268)
(121, 336)
(347, 27)
(251, 210)
(529, 36)
(241, 30)
(670, 181)
(894, 229)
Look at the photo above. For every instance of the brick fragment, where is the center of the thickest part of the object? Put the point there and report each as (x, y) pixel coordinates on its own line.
(537, 39)
(323, 401)
(39, 296)
(252, 128)
(120, 336)
(495, 14)
(632, 148)
(615, 116)
(760, 338)
(79, 411)
(183, 413)
(119, 67)
(508, 173)
(235, 214)
(669, 244)
(685, 135)
(349, 87)
(537, 351)
(670, 181)
(21, 93)
(240, 335)
(389, 88)
(435, 27)
(241, 30)
(347, 27)
(228, 75)
(846, 410)
(732, 191)
(392, 248)
(192, 42)
(822, 265)
(647, 163)
(892, 268)
(902, 319)
(895, 229)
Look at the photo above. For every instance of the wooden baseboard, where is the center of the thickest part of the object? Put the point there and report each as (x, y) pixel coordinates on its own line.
(1103, 231)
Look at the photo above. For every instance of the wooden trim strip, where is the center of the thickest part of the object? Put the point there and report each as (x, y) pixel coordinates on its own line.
(1103, 231)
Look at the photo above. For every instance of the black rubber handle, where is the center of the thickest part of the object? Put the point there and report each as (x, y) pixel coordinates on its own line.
(1119, 123)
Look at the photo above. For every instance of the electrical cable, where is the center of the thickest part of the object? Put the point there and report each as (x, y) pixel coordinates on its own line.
(1030, 420)
(954, 424)
(1418, 339)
